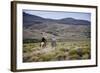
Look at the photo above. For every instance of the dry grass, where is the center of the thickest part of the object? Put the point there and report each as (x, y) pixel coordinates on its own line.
(70, 50)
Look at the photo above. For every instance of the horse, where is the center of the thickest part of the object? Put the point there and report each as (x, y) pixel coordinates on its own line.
(53, 42)
(43, 43)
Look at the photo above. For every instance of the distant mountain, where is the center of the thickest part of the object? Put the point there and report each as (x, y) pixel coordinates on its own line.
(74, 21)
(62, 29)
(29, 19)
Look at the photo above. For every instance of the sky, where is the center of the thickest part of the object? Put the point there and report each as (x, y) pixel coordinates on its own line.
(60, 14)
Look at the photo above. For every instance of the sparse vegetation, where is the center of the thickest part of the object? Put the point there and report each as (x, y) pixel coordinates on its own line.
(69, 50)
(73, 38)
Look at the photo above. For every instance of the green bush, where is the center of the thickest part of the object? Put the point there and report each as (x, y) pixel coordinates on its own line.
(64, 51)
(74, 57)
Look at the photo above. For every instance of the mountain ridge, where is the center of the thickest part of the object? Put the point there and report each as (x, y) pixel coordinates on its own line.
(33, 18)
(66, 28)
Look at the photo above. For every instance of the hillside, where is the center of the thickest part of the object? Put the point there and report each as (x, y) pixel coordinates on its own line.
(62, 29)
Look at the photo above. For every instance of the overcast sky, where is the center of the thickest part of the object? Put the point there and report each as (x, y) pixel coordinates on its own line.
(59, 14)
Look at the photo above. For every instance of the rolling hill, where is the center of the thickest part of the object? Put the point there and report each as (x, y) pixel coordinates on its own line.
(62, 29)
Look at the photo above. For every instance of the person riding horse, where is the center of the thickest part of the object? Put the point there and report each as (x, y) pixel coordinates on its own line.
(43, 41)
(53, 42)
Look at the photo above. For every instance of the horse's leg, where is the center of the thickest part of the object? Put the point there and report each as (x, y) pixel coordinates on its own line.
(41, 45)
(45, 44)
